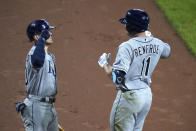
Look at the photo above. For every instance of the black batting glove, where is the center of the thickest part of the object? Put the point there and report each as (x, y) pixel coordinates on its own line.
(20, 106)
(45, 34)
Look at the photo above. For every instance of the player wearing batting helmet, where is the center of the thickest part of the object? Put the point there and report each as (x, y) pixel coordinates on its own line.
(38, 111)
(131, 72)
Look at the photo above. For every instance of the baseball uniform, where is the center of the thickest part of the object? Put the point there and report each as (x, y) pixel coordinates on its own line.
(41, 89)
(138, 58)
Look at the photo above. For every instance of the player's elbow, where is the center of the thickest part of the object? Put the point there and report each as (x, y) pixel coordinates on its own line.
(165, 56)
(166, 53)
(37, 61)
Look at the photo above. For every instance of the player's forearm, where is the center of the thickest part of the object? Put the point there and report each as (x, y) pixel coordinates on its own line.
(39, 54)
(108, 69)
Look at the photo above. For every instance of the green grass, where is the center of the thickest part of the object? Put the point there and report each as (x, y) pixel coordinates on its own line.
(182, 15)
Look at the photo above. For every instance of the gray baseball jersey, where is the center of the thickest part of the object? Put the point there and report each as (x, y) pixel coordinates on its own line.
(41, 81)
(138, 58)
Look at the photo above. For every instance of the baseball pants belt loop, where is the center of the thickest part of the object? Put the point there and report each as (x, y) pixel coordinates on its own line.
(42, 99)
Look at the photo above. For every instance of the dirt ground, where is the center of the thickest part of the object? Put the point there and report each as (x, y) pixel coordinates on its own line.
(86, 29)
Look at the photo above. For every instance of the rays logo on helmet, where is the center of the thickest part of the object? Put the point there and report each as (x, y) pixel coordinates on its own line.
(43, 26)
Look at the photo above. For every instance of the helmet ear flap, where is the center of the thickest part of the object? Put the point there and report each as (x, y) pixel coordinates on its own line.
(30, 33)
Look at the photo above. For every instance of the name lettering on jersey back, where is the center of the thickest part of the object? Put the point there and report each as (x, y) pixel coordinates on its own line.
(150, 48)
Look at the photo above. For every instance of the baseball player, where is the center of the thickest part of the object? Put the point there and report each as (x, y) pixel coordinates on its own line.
(37, 111)
(131, 72)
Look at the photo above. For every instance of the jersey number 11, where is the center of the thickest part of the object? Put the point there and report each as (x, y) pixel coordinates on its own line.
(145, 64)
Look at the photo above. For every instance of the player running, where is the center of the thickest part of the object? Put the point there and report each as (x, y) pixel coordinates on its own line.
(38, 111)
(131, 72)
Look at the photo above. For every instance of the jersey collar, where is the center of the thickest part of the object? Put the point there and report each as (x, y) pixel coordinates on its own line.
(143, 39)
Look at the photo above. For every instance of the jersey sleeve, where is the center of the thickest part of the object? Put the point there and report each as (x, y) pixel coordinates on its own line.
(166, 51)
(38, 56)
(123, 59)
(29, 64)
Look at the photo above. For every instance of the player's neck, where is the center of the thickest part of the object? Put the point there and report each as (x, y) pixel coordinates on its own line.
(46, 48)
(142, 34)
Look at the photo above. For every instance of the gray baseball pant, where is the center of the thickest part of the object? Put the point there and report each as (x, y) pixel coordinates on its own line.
(39, 116)
(130, 110)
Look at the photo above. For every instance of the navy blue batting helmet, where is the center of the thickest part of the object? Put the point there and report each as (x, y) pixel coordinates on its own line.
(136, 21)
(36, 27)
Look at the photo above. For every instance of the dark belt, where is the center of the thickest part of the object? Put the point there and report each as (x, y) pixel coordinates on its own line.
(42, 99)
(49, 100)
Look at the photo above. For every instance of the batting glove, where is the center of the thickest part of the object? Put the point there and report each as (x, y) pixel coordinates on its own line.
(45, 34)
(20, 106)
(104, 59)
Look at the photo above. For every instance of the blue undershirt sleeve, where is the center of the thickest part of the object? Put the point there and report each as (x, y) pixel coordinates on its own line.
(38, 56)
